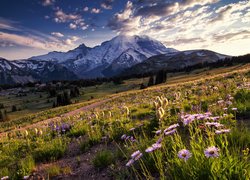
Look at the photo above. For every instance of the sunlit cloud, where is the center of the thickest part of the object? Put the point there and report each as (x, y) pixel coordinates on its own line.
(95, 11)
(48, 2)
(30, 38)
(186, 24)
(107, 4)
(57, 34)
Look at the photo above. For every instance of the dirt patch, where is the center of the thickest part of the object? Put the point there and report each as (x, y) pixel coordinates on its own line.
(79, 163)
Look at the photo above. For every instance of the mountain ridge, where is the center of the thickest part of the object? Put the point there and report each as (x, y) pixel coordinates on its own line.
(84, 59)
(121, 54)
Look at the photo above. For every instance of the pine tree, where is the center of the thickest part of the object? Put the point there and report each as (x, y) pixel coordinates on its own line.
(151, 81)
(161, 77)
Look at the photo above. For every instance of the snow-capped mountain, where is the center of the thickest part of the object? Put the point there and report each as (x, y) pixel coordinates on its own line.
(175, 60)
(109, 58)
(25, 71)
(133, 54)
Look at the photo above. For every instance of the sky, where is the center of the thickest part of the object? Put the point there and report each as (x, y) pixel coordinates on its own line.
(35, 27)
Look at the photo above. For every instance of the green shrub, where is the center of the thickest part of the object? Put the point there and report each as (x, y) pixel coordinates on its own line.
(53, 171)
(103, 159)
(49, 151)
(24, 167)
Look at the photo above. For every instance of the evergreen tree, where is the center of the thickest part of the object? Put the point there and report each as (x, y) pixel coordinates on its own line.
(151, 81)
(161, 77)
(14, 108)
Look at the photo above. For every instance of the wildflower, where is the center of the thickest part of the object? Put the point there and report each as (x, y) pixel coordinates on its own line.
(138, 156)
(5, 178)
(132, 129)
(234, 109)
(165, 102)
(184, 154)
(140, 125)
(127, 110)
(212, 152)
(222, 131)
(36, 131)
(156, 105)
(110, 114)
(216, 124)
(130, 162)
(171, 127)
(26, 133)
(158, 132)
(225, 109)
(26, 177)
(160, 113)
(123, 136)
(40, 132)
(132, 139)
(127, 138)
(159, 140)
(149, 149)
(229, 103)
(136, 153)
(153, 147)
(170, 132)
(220, 101)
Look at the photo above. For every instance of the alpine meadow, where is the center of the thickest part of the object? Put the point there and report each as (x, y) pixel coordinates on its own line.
(132, 89)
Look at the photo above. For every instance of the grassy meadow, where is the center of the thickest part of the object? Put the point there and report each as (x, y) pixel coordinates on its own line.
(196, 126)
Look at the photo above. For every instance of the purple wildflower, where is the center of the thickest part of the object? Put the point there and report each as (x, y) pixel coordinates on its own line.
(234, 109)
(170, 132)
(216, 124)
(130, 162)
(158, 132)
(149, 149)
(123, 136)
(212, 152)
(153, 147)
(159, 140)
(184, 154)
(222, 131)
(171, 127)
(136, 153)
(138, 156)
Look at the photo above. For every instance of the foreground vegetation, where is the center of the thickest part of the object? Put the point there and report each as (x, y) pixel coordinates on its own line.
(190, 130)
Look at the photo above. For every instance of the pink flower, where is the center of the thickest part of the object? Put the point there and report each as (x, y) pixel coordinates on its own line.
(184, 154)
(212, 152)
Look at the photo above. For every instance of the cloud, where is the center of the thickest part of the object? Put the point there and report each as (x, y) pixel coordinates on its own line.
(183, 41)
(6, 24)
(71, 40)
(107, 4)
(21, 37)
(85, 9)
(95, 11)
(72, 26)
(185, 24)
(74, 21)
(61, 17)
(57, 34)
(232, 35)
(48, 2)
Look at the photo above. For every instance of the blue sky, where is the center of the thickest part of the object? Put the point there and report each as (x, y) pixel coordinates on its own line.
(34, 27)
